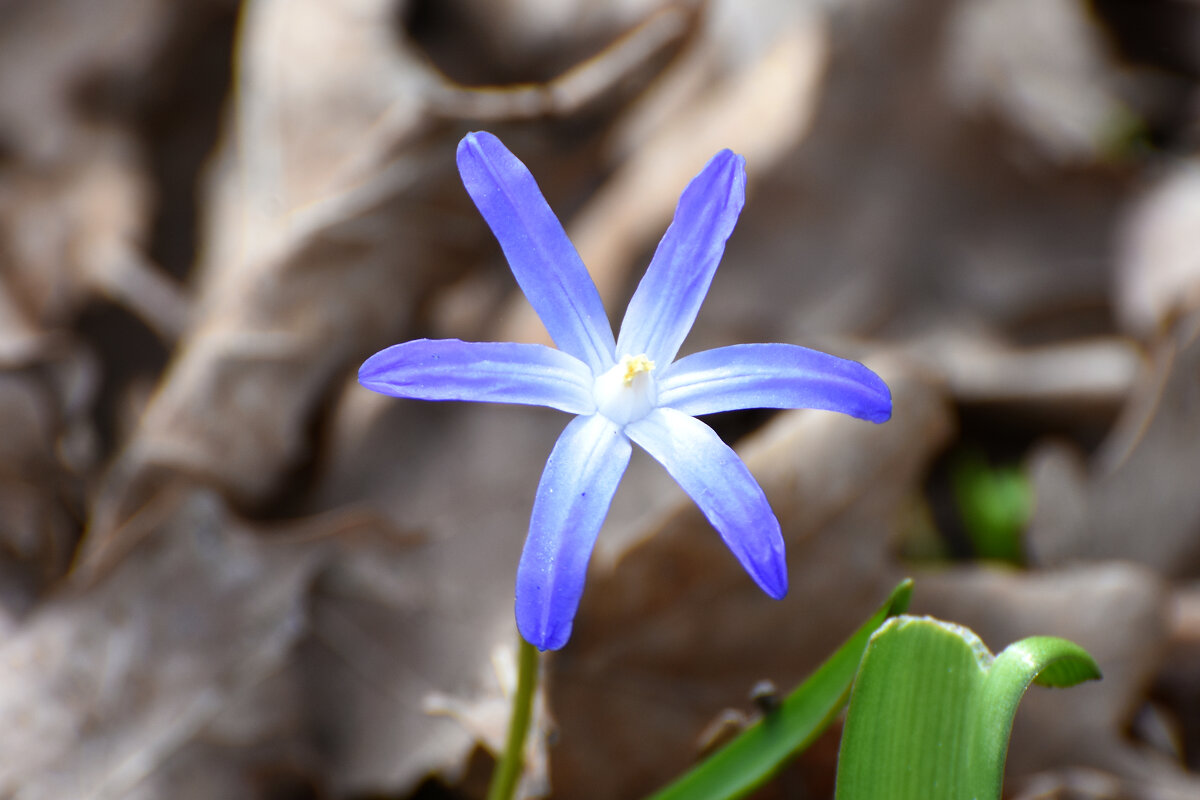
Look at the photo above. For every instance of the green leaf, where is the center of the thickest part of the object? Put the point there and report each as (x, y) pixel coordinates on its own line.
(931, 710)
(759, 751)
(995, 504)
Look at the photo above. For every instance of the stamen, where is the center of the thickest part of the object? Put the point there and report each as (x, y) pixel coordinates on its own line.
(626, 392)
(635, 364)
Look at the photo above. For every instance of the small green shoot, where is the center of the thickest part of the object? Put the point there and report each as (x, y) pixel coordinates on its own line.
(995, 504)
(931, 710)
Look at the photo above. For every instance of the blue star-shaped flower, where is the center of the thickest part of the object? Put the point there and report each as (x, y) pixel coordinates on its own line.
(623, 391)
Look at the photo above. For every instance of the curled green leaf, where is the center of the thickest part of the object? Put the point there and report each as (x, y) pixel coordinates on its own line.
(932, 710)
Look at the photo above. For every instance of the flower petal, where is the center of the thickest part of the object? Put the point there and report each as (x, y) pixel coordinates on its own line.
(666, 302)
(721, 485)
(542, 258)
(495, 372)
(773, 376)
(573, 497)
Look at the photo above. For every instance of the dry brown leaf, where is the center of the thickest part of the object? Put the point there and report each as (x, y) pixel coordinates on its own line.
(75, 202)
(1158, 267)
(46, 447)
(396, 630)
(1042, 66)
(1140, 502)
(312, 259)
(105, 683)
(1092, 784)
(1068, 374)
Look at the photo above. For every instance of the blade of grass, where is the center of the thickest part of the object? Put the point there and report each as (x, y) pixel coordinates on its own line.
(759, 751)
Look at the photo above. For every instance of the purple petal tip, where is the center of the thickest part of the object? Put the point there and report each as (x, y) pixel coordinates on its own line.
(774, 579)
(543, 636)
(881, 411)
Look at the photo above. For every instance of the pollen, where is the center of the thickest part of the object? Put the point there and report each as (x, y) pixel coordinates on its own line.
(635, 365)
(626, 392)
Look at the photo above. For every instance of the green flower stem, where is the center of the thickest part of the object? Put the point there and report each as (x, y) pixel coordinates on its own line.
(508, 771)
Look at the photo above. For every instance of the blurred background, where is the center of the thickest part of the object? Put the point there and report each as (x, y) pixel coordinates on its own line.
(226, 570)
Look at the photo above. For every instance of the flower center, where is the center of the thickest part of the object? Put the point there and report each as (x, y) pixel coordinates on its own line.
(626, 393)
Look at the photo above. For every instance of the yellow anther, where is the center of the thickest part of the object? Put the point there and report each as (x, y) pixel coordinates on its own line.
(635, 364)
